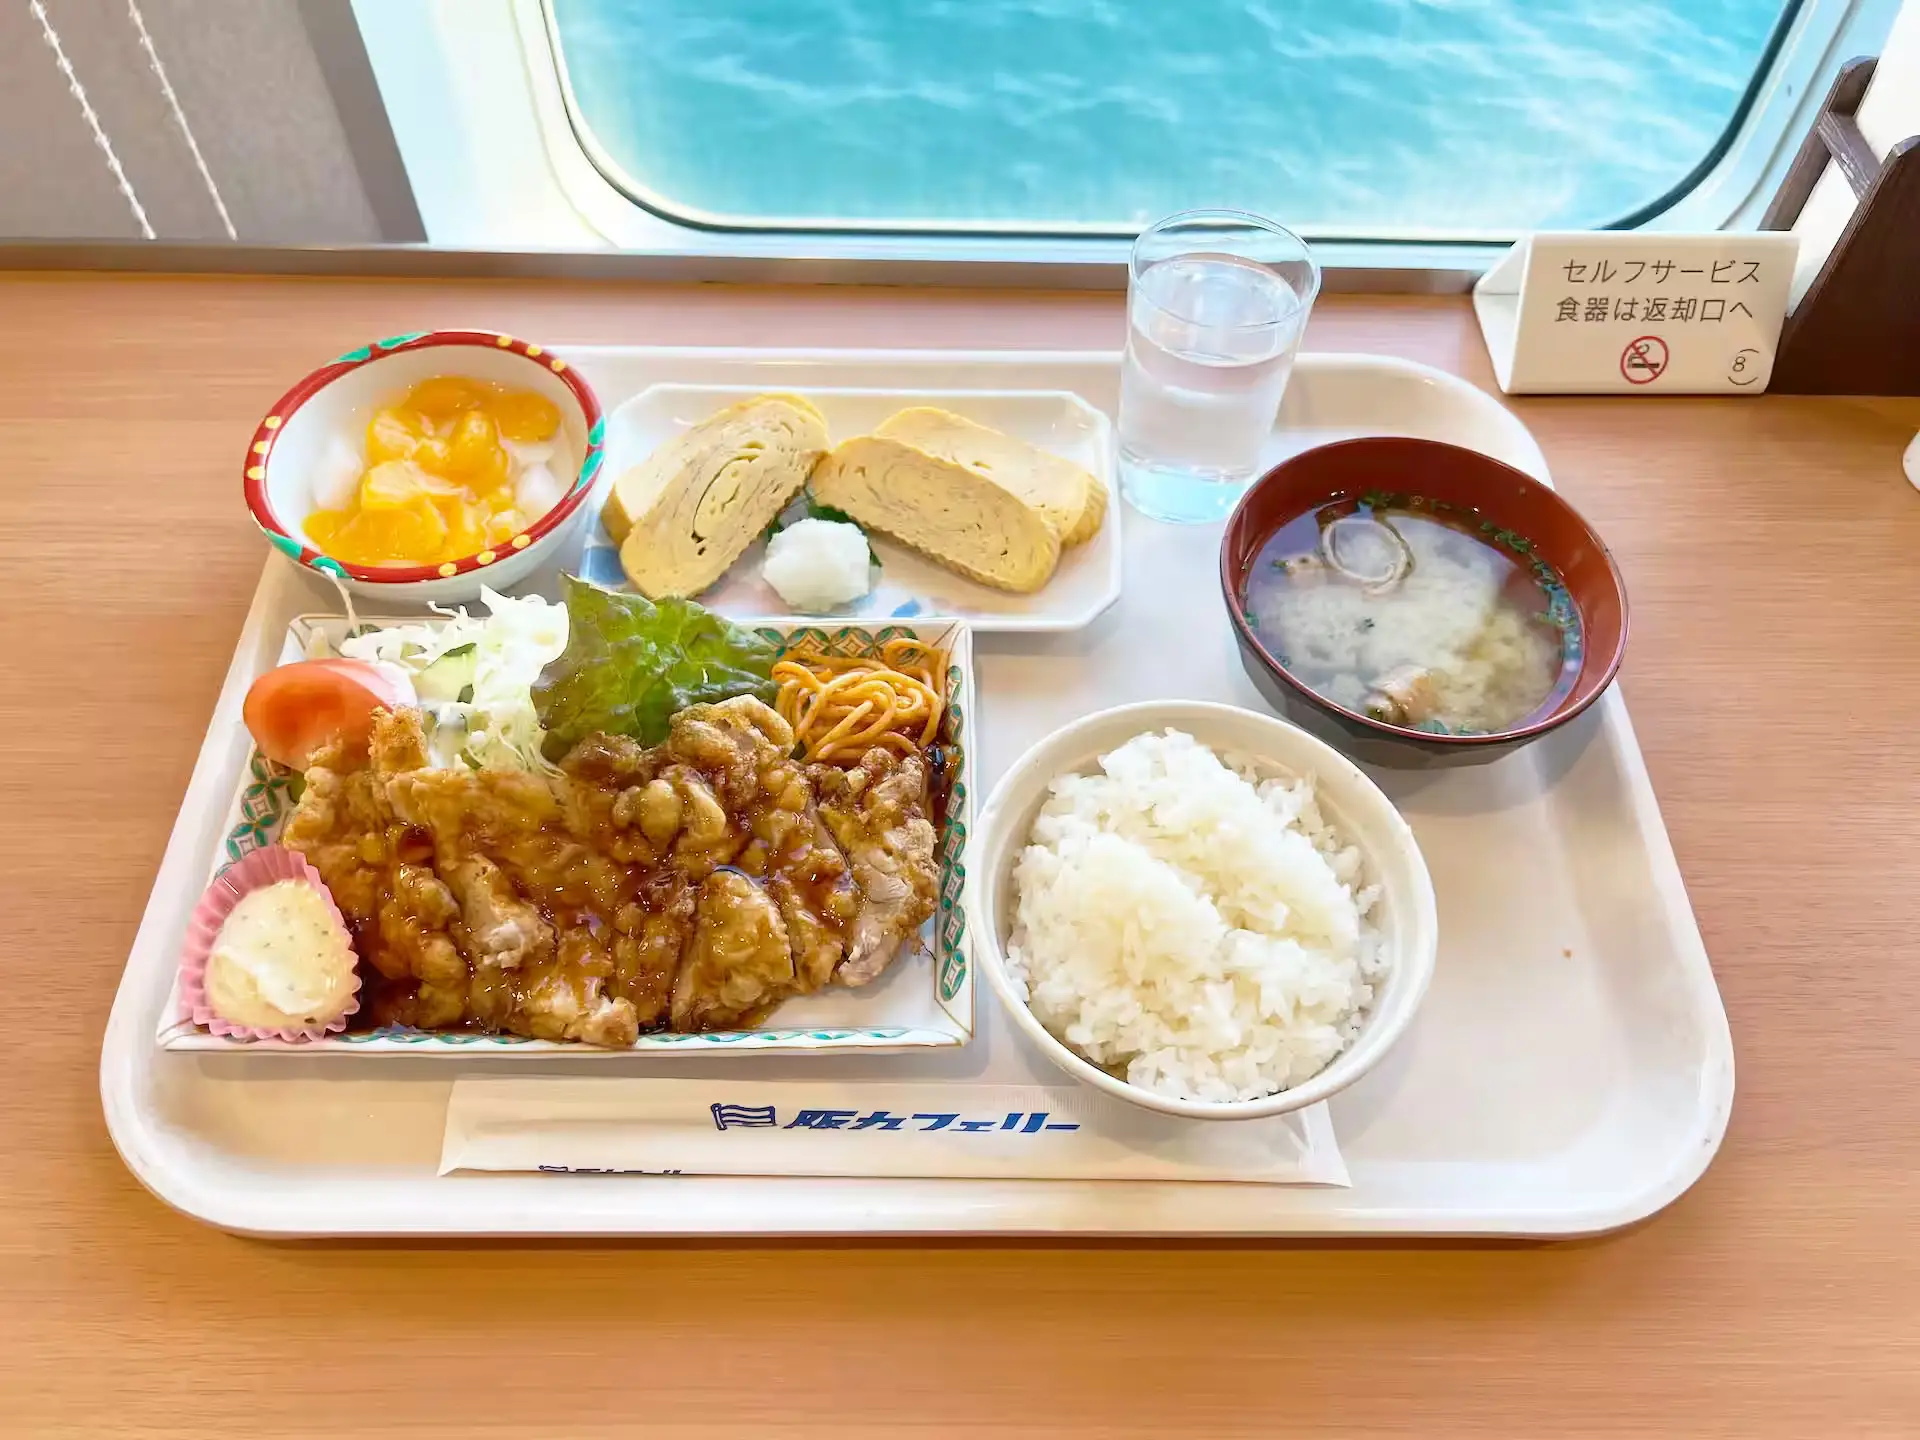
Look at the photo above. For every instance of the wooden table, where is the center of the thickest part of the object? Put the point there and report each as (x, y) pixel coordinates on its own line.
(1773, 552)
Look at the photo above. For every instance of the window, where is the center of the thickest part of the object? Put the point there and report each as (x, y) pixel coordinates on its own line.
(1402, 118)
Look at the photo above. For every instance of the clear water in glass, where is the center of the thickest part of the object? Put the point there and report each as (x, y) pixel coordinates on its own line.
(1211, 338)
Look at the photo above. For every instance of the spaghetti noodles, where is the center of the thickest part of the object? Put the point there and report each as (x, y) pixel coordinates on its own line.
(840, 708)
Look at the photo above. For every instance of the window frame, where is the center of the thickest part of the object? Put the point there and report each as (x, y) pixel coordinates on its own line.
(470, 85)
(663, 207)
(1733, 185)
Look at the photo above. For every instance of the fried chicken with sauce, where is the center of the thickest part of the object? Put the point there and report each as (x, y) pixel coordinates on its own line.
(739, 963)
(695, 884)
(877, 812)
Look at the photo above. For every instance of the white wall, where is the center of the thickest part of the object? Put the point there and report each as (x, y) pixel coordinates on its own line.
(252, 94)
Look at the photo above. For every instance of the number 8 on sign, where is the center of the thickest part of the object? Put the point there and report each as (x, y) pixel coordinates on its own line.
(1644, 360)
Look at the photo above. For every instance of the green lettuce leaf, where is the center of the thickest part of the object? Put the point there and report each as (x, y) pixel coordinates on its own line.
(631, 663)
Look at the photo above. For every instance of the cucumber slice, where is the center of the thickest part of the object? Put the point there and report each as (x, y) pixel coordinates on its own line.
(448, 679)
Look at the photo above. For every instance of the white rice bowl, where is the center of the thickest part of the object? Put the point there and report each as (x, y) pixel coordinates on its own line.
(1193, 925)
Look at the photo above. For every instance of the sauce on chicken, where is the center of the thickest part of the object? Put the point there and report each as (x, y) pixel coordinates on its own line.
(691, 885)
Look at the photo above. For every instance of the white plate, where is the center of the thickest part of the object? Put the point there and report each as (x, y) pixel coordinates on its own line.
(1570, 1070)
(1087, 582)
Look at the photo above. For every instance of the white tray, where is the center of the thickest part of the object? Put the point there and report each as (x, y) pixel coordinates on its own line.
(1571, 1069)
(910, 586)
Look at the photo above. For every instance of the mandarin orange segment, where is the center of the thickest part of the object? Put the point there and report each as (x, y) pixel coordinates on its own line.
(467, 530)
(525, 417)
(393, 435)
(390, 485)
(476, 456)
(439, 483)
(413, 534)
(445, 396)
(434, 455)
(503, 525)
(417, 529)
(323, 526)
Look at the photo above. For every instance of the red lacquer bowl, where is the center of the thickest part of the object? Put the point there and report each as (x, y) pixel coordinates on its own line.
(1525, 516)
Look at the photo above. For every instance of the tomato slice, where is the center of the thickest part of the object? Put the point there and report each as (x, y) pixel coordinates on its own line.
(294, 711)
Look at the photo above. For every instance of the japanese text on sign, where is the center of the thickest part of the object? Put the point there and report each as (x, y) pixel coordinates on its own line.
(1586, 312)
(1652, 309)
(766, 1117)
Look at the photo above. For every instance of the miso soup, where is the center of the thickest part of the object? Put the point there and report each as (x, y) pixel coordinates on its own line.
(1415, 613)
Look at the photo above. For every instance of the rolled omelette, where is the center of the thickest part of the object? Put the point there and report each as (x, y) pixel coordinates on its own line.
(1073, 501)
(684, 514)
(959, 517)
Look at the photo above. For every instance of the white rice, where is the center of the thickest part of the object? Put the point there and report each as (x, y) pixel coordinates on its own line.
(1192, 925)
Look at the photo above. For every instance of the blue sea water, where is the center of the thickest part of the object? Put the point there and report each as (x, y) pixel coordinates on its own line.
(1326, 114)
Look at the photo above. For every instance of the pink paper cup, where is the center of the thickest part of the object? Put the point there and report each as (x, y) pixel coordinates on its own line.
(263, 867)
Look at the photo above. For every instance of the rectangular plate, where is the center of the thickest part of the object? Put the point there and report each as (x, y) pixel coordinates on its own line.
(1086, 583)
(924, 1000)
(1570, 1070)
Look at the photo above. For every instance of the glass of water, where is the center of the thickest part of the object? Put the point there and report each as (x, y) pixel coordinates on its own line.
(1216, 303)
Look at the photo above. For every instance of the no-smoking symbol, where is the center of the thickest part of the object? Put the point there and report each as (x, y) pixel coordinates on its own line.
(1644, 360)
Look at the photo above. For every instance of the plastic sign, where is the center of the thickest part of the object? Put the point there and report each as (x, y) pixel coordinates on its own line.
(1604, 313)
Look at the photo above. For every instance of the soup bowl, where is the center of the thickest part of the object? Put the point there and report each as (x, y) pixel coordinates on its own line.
(1503, 507)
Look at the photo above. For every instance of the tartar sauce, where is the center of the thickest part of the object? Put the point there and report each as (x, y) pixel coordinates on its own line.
(280, 960)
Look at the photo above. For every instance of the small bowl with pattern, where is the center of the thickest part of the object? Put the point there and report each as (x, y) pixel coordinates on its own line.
(1419, 604)
(489, 512)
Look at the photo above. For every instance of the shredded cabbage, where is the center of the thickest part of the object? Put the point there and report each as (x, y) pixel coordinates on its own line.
(496, 725)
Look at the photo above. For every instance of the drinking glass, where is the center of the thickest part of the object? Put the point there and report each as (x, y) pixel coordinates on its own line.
(1216, 303)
